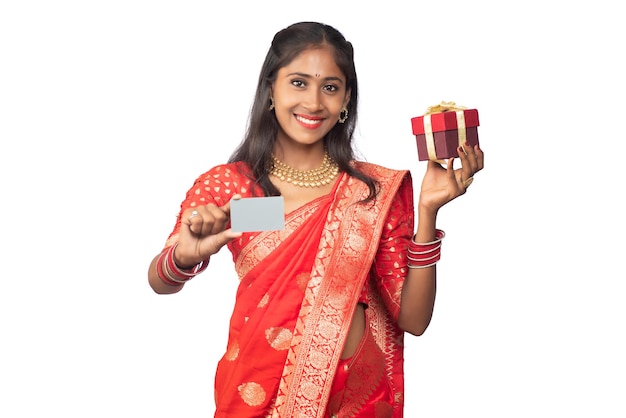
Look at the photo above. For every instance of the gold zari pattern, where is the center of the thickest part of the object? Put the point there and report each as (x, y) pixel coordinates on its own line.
(312, 342)
(252, 393)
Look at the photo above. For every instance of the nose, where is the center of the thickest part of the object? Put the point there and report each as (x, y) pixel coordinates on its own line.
(314, 101)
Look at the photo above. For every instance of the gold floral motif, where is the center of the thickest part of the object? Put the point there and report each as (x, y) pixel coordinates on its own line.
(309, 390)
(264, 300)
(278, 338)
(320, 360)
(252, 393)
(328, 329)
(338, 301)
(232, 352)
(302, 280)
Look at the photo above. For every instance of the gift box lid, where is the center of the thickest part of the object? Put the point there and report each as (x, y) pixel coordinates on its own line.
(445, 121)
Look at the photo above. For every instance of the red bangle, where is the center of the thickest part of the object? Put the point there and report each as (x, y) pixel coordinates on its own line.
(173, 275)
(164, 278)
(425, 259)
(420, 264)
(184, 274)
(422, 255)
(423, 248)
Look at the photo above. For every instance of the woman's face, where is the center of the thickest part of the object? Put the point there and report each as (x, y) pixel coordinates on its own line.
(309, 94)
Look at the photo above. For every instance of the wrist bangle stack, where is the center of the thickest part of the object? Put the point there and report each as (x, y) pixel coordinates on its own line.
(422, 255)
(171, 274)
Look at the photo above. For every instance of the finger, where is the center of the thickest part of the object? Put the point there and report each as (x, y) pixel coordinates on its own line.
(215, 220)
(195, 218)
(457, 178)
(468, 162)
(473, 157)
(222, 216)
(204, 220)
(188, 216)
(480, 158)
(451, 172)
(226, 207)
(225, 237)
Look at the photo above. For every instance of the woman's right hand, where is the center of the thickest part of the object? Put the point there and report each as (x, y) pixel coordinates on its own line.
(202, 233)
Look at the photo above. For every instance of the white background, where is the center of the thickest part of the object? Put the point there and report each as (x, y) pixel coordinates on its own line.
(109, 111)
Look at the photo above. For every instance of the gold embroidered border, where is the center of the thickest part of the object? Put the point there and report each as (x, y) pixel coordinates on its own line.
(349, 241)
(264, 243)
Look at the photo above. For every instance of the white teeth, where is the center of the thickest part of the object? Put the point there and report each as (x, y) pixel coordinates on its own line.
(308, 121)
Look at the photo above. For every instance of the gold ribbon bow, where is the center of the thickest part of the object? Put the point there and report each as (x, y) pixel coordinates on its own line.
(428, 127)
(444, 107)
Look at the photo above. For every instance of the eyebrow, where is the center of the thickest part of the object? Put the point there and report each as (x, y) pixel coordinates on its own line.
(303, 75)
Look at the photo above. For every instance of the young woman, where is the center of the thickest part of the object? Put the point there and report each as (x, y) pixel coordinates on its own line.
(322, 305)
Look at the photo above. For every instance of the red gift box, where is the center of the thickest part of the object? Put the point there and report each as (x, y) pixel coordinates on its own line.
(439, 134)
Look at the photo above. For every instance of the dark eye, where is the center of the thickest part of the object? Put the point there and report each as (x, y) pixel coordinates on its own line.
(297, 83)
(330, 88)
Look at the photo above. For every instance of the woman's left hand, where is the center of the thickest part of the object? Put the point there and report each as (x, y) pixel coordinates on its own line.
(441, 185)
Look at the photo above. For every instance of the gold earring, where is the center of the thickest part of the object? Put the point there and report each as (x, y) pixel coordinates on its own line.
(343, 115)
(271, 103)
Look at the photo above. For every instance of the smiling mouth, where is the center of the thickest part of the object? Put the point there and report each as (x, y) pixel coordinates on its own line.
(314, 122)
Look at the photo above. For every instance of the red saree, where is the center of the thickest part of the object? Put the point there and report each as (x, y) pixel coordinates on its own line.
(298, 290)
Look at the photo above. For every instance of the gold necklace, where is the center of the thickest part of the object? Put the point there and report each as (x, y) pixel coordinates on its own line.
(317, 177)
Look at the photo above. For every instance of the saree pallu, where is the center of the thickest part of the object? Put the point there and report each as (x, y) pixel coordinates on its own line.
(351, 240)
(268, 299)
(298, 291)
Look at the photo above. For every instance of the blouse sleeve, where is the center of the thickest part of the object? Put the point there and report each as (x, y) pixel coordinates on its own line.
(216, 186)
(389, 269)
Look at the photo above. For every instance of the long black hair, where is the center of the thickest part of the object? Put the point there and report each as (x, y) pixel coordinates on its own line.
(257, 145)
